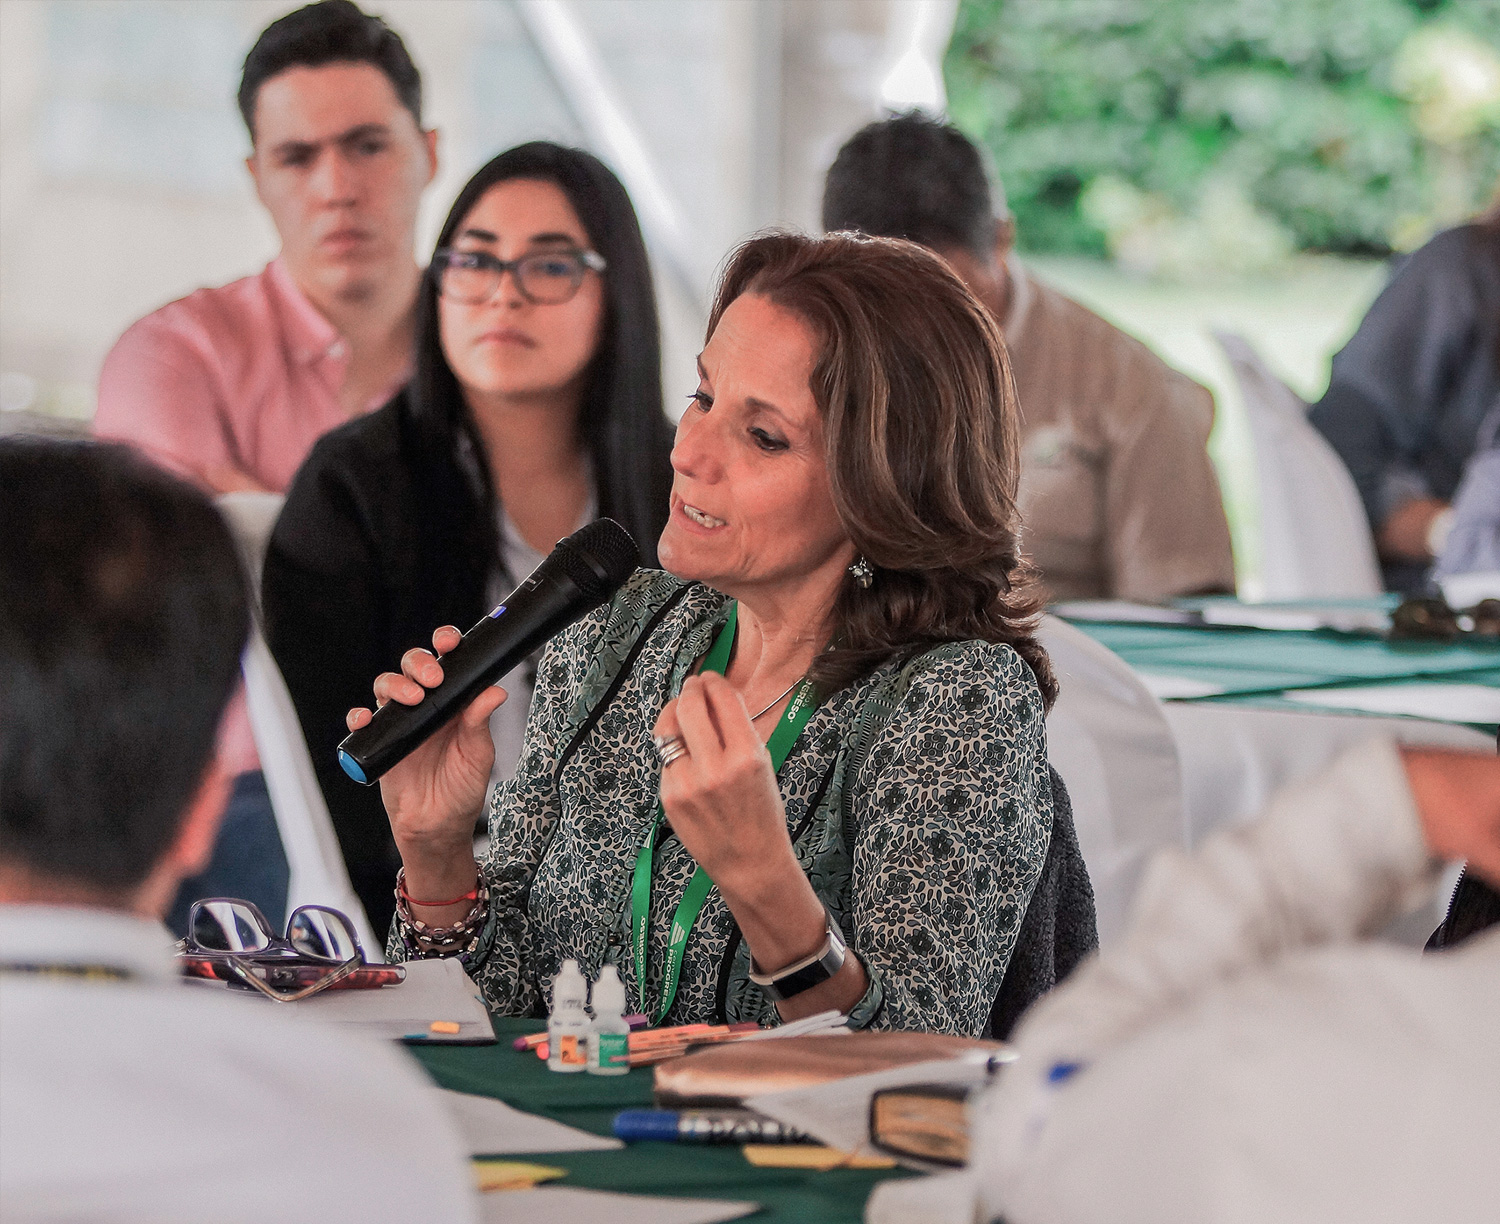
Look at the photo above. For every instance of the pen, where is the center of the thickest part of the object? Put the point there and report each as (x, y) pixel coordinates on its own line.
(654, 1045)
(702, 1126)
(531, 1042)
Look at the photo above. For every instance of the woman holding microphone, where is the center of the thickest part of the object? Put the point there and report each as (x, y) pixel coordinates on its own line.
(805, 766)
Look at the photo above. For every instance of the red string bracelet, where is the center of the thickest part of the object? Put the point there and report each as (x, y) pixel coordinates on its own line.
(471, 895)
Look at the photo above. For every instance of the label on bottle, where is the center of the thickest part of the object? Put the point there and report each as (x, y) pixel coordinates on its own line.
(614, 1049)
(570, 1052)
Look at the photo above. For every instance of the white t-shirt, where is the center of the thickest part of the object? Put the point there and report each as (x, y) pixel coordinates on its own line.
(508, 723)
(144, 1100)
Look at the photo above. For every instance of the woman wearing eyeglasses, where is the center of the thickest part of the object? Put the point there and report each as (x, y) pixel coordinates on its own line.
(535, 407)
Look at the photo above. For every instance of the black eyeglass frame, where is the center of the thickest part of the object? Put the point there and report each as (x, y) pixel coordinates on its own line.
(279, 950)
(585, 261)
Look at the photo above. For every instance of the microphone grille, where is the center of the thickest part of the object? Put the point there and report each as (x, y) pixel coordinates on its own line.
(600, 556)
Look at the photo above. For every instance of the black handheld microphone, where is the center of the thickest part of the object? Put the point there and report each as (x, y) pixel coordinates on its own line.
(583, 571)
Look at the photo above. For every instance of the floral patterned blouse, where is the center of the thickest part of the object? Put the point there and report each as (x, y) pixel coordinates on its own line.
(927, 866)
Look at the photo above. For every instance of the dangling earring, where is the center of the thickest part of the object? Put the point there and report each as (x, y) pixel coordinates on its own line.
(862, 573)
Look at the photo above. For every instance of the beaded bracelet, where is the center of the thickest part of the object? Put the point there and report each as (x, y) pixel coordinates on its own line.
(425, 942)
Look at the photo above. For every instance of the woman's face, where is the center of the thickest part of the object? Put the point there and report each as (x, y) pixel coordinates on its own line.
(751, 508)
(508, 346)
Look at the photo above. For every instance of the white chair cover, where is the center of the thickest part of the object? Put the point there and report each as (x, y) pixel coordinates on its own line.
(1110, 741)
(318, 873)
(1315, 538)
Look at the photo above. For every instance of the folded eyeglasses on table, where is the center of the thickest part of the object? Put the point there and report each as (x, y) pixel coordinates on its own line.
(232, 941)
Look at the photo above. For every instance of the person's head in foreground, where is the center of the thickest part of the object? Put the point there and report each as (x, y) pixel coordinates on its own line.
(123, 612)
(540, 299)
(915, 177)
(122, 618)
(844, 489)
(339, 157)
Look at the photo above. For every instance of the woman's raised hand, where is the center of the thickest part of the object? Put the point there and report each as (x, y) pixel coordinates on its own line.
(721, 798)
(434, 796)
(725, 807)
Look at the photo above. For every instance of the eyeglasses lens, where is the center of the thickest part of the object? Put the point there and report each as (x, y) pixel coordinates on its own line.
(323, 934)
(229, 926)
(550, 279)
(468, 282)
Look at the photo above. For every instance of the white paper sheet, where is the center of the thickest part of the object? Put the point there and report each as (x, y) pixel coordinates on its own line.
(1122, 611)
(838, 1113)
(1166, 687)
(433, 990)
(1464, 703)
(1303, 617)
(943, 1198)
(570, 1205)
(493, 1128)
(1466, 590)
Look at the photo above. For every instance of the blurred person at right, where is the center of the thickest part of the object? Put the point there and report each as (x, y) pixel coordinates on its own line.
(1414, 398)
(1118, 493)
(535, 407)
(1251, 1050)
(126, 1094)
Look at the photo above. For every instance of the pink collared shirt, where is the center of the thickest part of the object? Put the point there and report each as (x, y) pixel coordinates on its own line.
(246, 376)
(242, 376)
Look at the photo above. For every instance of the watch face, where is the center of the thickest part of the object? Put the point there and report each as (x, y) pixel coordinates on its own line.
(792, 982)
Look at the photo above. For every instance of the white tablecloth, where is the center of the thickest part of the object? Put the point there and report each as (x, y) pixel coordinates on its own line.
(1235, 757)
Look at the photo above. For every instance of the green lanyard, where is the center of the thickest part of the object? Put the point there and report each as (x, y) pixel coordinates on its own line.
(793, 719)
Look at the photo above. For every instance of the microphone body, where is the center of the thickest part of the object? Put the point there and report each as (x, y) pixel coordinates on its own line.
(582, 572)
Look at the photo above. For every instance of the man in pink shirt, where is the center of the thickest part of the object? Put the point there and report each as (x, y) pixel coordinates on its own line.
(231, 386)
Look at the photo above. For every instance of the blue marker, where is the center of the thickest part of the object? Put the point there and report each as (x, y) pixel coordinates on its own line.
(703, 1126)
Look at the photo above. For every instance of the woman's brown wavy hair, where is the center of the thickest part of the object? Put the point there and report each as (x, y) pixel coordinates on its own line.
(919, 415)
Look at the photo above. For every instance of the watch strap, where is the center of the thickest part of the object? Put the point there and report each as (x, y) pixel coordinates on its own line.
(809, 972)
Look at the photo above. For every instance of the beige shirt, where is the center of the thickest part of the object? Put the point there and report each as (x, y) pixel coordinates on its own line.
(1118, 494)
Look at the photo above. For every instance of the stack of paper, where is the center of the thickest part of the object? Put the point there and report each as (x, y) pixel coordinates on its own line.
(493, 1128)
(569, 1204)
(434, 992)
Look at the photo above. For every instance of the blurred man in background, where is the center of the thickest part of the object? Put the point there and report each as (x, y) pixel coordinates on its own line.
(1118, 494)
(129, 1095)
(232, 386)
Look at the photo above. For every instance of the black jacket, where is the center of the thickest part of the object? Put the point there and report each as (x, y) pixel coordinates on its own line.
(383, 538)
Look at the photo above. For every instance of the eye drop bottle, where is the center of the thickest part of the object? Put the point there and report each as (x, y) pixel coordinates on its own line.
(568, 1025)
(609, 1038)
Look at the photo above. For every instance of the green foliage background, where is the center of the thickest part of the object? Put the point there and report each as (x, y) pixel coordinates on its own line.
(1315, 113)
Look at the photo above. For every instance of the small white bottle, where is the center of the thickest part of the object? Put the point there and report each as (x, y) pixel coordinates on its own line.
(609, 1038)
(568, 1025)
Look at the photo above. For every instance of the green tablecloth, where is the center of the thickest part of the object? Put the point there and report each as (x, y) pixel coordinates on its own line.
(1256, 665)
(590, 1103)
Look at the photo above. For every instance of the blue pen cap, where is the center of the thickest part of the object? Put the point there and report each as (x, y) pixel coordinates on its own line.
(636, 1125)
(351, 767)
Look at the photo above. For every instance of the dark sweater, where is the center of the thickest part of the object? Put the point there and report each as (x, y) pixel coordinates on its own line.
(383, 539)
(1410, 390)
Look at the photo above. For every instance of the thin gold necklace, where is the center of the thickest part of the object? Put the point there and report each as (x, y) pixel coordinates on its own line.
(776, 701)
